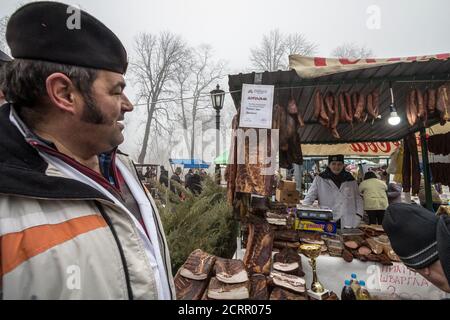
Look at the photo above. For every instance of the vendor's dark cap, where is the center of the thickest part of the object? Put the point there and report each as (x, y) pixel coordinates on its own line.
(412, 232)
(57, 32)
(336, 157)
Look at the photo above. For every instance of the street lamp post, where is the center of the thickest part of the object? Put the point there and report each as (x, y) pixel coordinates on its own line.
(217, 98)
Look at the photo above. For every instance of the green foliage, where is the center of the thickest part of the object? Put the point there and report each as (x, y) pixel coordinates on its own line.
(197, 222)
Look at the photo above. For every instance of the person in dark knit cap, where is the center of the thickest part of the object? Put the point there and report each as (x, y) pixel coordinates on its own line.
(75, 221)
(336, 188)
(421, 240)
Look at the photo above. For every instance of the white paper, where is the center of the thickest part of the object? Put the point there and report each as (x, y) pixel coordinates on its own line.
(256, 106)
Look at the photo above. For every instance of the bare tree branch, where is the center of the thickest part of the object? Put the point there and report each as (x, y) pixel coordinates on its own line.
(153, 70)
(351, 51)
(275, 48)
(296, 43)
(193, 80)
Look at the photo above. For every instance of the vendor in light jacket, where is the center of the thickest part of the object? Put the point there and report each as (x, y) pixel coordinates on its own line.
(336, 189)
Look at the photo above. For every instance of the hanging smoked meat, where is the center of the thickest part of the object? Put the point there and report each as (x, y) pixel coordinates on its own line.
(370, 109)
(231, 170)
(294, 111)
(376, 103)
(317, 104)
(372, 106)
(355, 99)
(342, 108)
(431, 104)
(323, 116)
(360, 108)
(420, 105)
(411, 169)
(329, 103)
(411, 107)
(348, 104)
(443, 103)
(335, 119)
(283, 127)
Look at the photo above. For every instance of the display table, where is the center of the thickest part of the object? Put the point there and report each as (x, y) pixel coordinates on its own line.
(385, 282)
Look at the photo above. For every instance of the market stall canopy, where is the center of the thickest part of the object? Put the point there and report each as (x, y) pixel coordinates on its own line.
(223, 158)
(190, 163)
(338, 75)
(313, 67)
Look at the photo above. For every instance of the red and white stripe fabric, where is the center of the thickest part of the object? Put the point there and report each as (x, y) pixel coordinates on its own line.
(312, 67)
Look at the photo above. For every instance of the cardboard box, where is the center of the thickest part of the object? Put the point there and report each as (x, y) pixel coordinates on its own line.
(316, 226)
(287, 185)
(287, 196)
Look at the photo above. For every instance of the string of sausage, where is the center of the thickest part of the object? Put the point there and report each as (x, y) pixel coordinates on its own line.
(335, 122)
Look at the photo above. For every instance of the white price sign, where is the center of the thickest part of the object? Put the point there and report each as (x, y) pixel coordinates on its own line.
(256, 106)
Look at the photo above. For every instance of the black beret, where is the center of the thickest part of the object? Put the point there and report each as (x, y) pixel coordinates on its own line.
(47, 31)
(336, 157)
(412, 232)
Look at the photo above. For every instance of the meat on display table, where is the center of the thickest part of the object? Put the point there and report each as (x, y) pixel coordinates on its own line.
(387, 282)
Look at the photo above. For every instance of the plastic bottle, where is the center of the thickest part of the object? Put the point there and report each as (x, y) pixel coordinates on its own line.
(354, 283)
(362, 293)
(347, 292)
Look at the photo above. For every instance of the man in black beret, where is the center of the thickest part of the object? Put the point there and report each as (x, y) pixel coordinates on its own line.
(421, 240)
(75, 221)
(336, 189)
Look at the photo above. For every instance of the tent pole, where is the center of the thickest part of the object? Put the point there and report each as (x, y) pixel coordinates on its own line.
(426, 168)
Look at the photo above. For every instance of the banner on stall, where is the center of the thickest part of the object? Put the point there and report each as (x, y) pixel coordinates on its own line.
(363, 149)
(366, 149)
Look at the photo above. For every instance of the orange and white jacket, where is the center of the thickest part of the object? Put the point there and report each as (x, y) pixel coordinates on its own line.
(63, 239)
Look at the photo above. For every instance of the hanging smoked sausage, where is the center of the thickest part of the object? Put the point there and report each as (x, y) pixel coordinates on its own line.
(348, 104)
(323, 114)
(376, 102)
(300, 120)
(335, 133)
(431, 104)
(360, 108)
(408, 110)
(317, 104)
(292, 106)
(413, 106)
(420, 104)
(355, 99)
(443, 103)
(329, 102)
(336, 115)
(343, 108)
(370, 109)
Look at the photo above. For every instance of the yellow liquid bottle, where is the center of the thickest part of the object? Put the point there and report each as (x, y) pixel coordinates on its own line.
(361, 292)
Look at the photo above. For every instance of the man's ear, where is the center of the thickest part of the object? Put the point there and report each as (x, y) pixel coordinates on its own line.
(61, 92)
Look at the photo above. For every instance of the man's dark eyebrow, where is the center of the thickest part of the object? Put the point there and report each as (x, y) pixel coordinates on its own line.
(120, 84)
